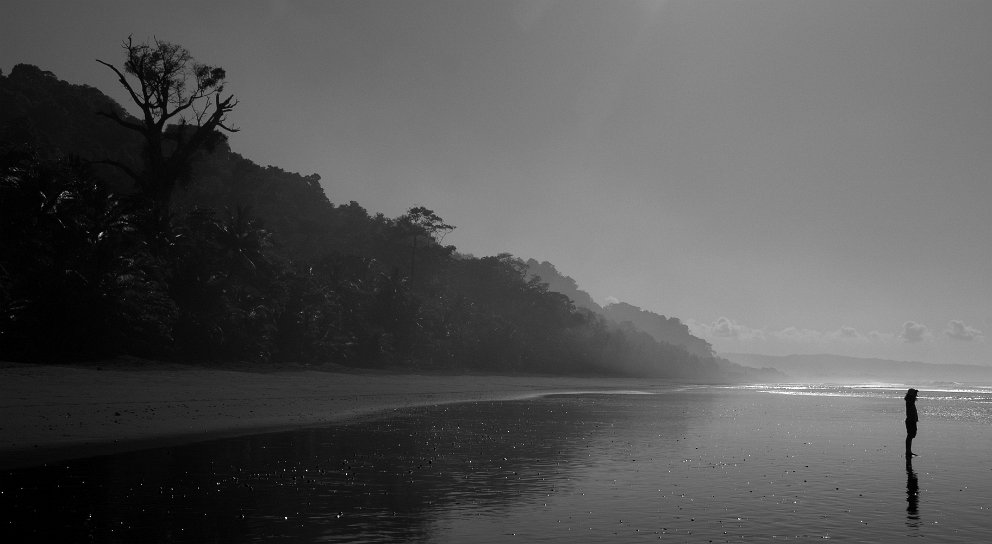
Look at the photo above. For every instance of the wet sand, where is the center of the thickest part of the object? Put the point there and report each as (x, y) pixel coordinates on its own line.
(686, 464)
(50, 413)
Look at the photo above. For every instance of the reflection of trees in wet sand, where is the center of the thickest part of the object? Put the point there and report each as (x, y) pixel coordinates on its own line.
(390, 478)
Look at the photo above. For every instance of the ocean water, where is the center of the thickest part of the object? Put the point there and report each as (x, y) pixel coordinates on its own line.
(695, 464)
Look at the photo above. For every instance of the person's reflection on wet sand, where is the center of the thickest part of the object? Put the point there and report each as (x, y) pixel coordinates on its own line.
(912, 495)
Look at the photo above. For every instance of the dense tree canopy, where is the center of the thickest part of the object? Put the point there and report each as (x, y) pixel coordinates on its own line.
(251, 263)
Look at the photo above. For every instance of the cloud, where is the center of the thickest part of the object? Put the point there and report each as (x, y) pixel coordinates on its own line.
(612, 300)
(725, 327)
(880, 337)
(957, 330)
(802, 336)
(849, 333)
(846, 334)
(913, 332)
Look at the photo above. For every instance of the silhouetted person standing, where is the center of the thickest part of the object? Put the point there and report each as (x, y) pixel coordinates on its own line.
(911, 419)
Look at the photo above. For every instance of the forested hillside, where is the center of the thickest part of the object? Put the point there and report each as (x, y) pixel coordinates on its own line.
(563, 284)
(661, 328)
(100, 256)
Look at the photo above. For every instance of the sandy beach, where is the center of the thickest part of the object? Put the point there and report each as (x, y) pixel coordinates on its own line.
(642, 462)
(49, 413)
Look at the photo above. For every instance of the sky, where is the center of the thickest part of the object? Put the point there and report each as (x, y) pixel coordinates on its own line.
(784, 176)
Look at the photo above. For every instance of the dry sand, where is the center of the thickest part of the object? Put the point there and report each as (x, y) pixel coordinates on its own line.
(50, 413)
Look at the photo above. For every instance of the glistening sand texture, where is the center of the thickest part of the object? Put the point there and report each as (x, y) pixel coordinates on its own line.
(57, 412)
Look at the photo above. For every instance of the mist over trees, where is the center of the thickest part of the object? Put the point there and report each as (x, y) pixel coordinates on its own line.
(148, 236)
(670, 330)
(563, 284)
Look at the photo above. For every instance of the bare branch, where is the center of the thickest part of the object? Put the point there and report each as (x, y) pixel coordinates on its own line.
(124, 82)
(122, 167)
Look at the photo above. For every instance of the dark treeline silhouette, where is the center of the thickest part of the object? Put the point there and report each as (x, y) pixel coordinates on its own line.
(150, 237)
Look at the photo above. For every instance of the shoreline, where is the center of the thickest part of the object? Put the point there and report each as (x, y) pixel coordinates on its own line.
(51, 413)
